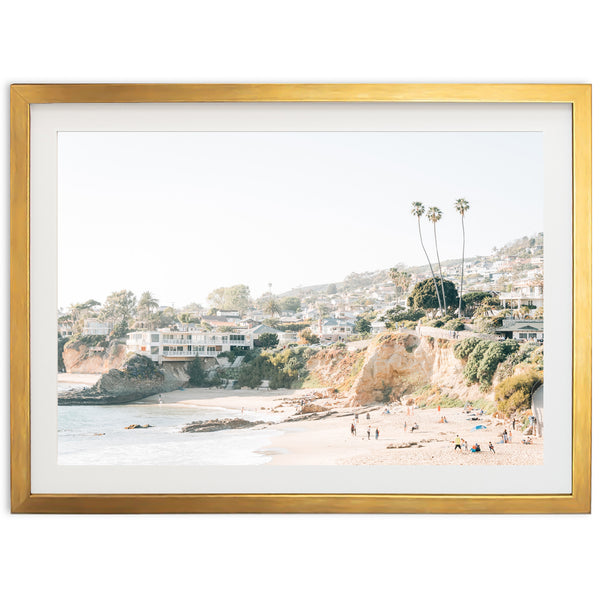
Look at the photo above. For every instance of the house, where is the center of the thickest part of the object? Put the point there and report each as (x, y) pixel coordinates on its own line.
(96, 327)
(285, 337)
(333, 329)
(522, 329)
(164, 345)
(378, 326)
(65, 328)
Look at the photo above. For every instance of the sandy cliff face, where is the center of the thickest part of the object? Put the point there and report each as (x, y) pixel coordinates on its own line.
(399, 364)
(83, 359)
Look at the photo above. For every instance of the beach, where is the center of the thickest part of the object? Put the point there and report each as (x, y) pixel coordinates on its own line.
(318, 440)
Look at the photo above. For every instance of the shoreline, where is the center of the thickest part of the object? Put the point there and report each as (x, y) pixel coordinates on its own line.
(312, 441)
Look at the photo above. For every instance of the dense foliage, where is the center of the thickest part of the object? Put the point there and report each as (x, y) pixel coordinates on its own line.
(362, 325)
(283, 369)
(196, 372)
(483, 357)
(424, 295)
(514, 393)
(267, 340)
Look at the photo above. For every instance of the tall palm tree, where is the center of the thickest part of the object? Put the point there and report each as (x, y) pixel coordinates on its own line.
(462, 206)
(147, 305)
(272, 307)
(418, 210)
(434, 214)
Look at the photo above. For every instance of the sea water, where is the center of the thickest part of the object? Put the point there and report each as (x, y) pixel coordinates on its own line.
(97, 435)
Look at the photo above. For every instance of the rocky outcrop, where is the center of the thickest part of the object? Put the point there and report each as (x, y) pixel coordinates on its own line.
(82, 358)
(139, 378)
(399, 364)
(218, 425)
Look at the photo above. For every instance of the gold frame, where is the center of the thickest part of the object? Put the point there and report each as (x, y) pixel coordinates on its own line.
(23, 501)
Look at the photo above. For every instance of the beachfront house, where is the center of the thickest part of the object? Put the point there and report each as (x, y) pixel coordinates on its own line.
(164, 345)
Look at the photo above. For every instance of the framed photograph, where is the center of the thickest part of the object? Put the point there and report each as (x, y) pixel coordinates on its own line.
(301, 298)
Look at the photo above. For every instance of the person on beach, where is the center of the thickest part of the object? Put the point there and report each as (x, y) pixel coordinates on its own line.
(369, 432)
(465, 445)
(352, 429)
(404, 425)
(160, 398)
(491, 447)
(377, 434)
(514, 423)
(368, 417)
(457, 443)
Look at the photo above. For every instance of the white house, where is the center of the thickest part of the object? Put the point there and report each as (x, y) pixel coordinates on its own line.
(333, 329)
(96, 327)
(165, 345)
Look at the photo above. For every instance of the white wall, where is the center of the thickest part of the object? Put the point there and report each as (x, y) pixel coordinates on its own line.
(297, 556)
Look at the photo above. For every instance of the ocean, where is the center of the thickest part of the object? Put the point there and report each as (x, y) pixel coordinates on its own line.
(96, 435)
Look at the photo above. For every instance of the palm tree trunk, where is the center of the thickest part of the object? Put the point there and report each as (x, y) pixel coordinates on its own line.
(430, 267)
(440, 266)
(462, 268)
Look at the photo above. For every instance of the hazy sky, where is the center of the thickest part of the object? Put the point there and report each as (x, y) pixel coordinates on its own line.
(183, 213)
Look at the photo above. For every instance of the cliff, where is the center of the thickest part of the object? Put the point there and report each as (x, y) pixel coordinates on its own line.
(138, 378)
(79, 357)
(401, 365)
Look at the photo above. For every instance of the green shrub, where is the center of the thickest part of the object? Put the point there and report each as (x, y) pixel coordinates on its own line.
(454, 325)
(514, 394)
(463, 349)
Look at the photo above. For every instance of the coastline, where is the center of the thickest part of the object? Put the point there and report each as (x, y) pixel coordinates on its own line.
(327, 440)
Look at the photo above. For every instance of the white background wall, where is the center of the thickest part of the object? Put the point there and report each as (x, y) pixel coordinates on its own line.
(291, 556)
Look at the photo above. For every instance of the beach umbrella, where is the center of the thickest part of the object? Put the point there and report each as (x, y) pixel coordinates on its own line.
(479, 427)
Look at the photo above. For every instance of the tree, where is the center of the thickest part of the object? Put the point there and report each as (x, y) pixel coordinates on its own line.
(272, 307)
(462, 206)
(332, 289)
(418, 210)
(425, 294)
(196, 372)
(291, 303)
(119, 306)
(395, 277)
(362, 325)
(147, 304)
(434, 214)
(267, 340)
(235, 297)
(308, 337)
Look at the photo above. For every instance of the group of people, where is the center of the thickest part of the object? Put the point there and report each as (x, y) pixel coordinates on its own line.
(461, 444)
(354, 428)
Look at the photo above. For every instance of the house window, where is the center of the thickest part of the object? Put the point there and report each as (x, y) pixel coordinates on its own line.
(154, 350)
(154, 337)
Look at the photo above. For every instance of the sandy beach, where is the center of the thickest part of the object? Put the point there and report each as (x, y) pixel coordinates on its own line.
(327, 440)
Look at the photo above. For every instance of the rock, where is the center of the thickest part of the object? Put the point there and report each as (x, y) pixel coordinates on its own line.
(401, 445)
(311, 408)
(315, 416)
(139, 378)
(218, 425)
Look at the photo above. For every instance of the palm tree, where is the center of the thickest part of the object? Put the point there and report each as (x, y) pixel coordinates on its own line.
(434, 214)
(418, 210)
(405, 279)
(147, 304)
(272, 307)
(462, 206)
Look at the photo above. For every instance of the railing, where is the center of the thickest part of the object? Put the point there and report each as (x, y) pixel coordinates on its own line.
(189, 353)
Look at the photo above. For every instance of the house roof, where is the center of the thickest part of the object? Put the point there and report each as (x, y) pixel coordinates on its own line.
(264, 329)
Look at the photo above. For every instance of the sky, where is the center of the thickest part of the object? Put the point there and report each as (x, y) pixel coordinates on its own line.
(182, 213)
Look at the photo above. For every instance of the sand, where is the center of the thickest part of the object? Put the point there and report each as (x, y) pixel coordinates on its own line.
(328, 441)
